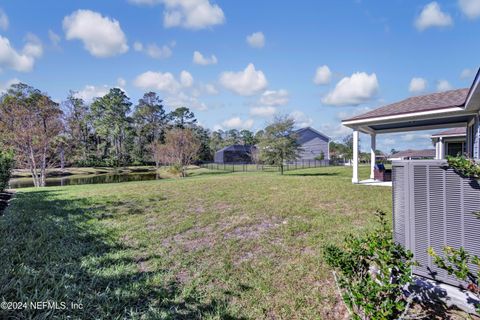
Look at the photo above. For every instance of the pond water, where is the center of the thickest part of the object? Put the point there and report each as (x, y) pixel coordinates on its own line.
(86, 179)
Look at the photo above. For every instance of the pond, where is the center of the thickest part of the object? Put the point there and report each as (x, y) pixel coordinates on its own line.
(86, 179)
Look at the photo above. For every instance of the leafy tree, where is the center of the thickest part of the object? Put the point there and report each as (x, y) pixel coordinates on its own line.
(78, 135)
(216, 142)
(111, 122)
(203, 135)
(150, 122)
(279, 143)
(182, 117)
(247, 137)
(30, 121)
(6, 167)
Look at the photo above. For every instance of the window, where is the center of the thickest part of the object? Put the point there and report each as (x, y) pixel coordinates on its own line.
(454, 149)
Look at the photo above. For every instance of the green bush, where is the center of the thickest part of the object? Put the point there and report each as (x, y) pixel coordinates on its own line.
(371, 272)
(465, 167)
(457, 262)
(6, 167)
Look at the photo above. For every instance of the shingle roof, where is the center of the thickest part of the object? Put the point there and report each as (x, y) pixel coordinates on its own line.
(426, 153)
(434, 101)
(451, 132)
(302, 137)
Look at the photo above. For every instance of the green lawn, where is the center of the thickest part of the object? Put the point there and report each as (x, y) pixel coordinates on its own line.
(223, 246)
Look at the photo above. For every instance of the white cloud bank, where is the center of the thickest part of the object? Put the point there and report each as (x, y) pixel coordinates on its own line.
(470, 8)
(198, 58)
(467, 74)
(432, 16)
(301, 119)
(359, 88)
(24, 60)
(256, 40)
(265, 112)
(274, 98)
(237, 123)
(245, 83)
(323, 75)
(101, 36)
(191, 14)
(417, 85)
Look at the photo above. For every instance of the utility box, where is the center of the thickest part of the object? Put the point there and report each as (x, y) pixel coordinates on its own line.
(434, 206)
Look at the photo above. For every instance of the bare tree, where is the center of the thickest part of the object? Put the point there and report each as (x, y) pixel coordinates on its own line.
(29, 123)
(181, 148)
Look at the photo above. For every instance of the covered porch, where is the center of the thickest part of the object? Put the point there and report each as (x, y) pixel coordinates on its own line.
(449, 109)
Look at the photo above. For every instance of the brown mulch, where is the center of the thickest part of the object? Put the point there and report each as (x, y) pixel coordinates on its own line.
(4, 200)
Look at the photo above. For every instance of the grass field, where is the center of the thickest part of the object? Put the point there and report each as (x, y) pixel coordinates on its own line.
(221, 246)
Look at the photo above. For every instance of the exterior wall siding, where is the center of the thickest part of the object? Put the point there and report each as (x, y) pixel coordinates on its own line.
(314, 148)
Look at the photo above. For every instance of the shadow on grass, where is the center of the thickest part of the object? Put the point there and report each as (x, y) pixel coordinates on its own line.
(310, 174)
(53, 249)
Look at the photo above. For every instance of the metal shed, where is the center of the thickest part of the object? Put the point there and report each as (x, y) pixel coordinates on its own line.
(235, 153)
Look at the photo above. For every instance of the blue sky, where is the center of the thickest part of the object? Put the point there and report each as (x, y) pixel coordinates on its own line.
(255, 58)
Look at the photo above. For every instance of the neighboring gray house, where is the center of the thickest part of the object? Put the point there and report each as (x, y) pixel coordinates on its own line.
(413, 155)
(313, 144)
(451, 142)
(235, 153)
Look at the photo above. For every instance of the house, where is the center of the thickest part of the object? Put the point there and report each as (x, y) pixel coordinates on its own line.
(449, 142)
(313, 144)
(235, 153)
(413, 155)
(433, 205)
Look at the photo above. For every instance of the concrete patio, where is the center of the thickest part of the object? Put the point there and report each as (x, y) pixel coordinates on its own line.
(375, 183)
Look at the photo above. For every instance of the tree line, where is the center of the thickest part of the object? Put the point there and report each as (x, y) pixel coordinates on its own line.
(112, 131)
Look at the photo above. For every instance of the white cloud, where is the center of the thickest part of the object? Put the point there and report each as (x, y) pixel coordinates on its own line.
(256, 40)
(191, 14)
(245, 83)
(432, 16)
(54, 38)
(180, 92)
(467, 74)
(336, 131)
(6, 85)
(417, 85)
(101, 36)
(153, 50)
(121, 83)
(237, 123)
(443, 85)
(186, 79)
(151, 80)
(274, 98)
(198, 58)
(145, 2)
(20, 61)
(471, 8)
(267, 111)
(323, 75)
(301, 119)
(360, 87)
(90, 92)
(3, 20)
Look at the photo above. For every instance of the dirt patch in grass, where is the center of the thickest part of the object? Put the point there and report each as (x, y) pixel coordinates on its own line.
(5, 198)
(253, 231)
(193, 239)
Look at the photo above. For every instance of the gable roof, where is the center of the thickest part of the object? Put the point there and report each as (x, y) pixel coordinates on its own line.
(429, 102)
(302, 137)
(451, 132)
(238, 147)
(425, 153)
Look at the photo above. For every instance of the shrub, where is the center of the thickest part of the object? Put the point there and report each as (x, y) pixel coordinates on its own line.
(6, 167)
(457, 262)
(371, 272)
(465, 167)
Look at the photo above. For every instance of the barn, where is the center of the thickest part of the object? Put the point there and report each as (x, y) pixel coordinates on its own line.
(313, 144)
(235, 153)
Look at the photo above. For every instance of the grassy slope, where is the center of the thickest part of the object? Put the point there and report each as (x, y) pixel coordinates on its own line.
(243, 245)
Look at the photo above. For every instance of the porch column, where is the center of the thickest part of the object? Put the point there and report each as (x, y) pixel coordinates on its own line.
(355, 157)
(373, 147)
(441, 148)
